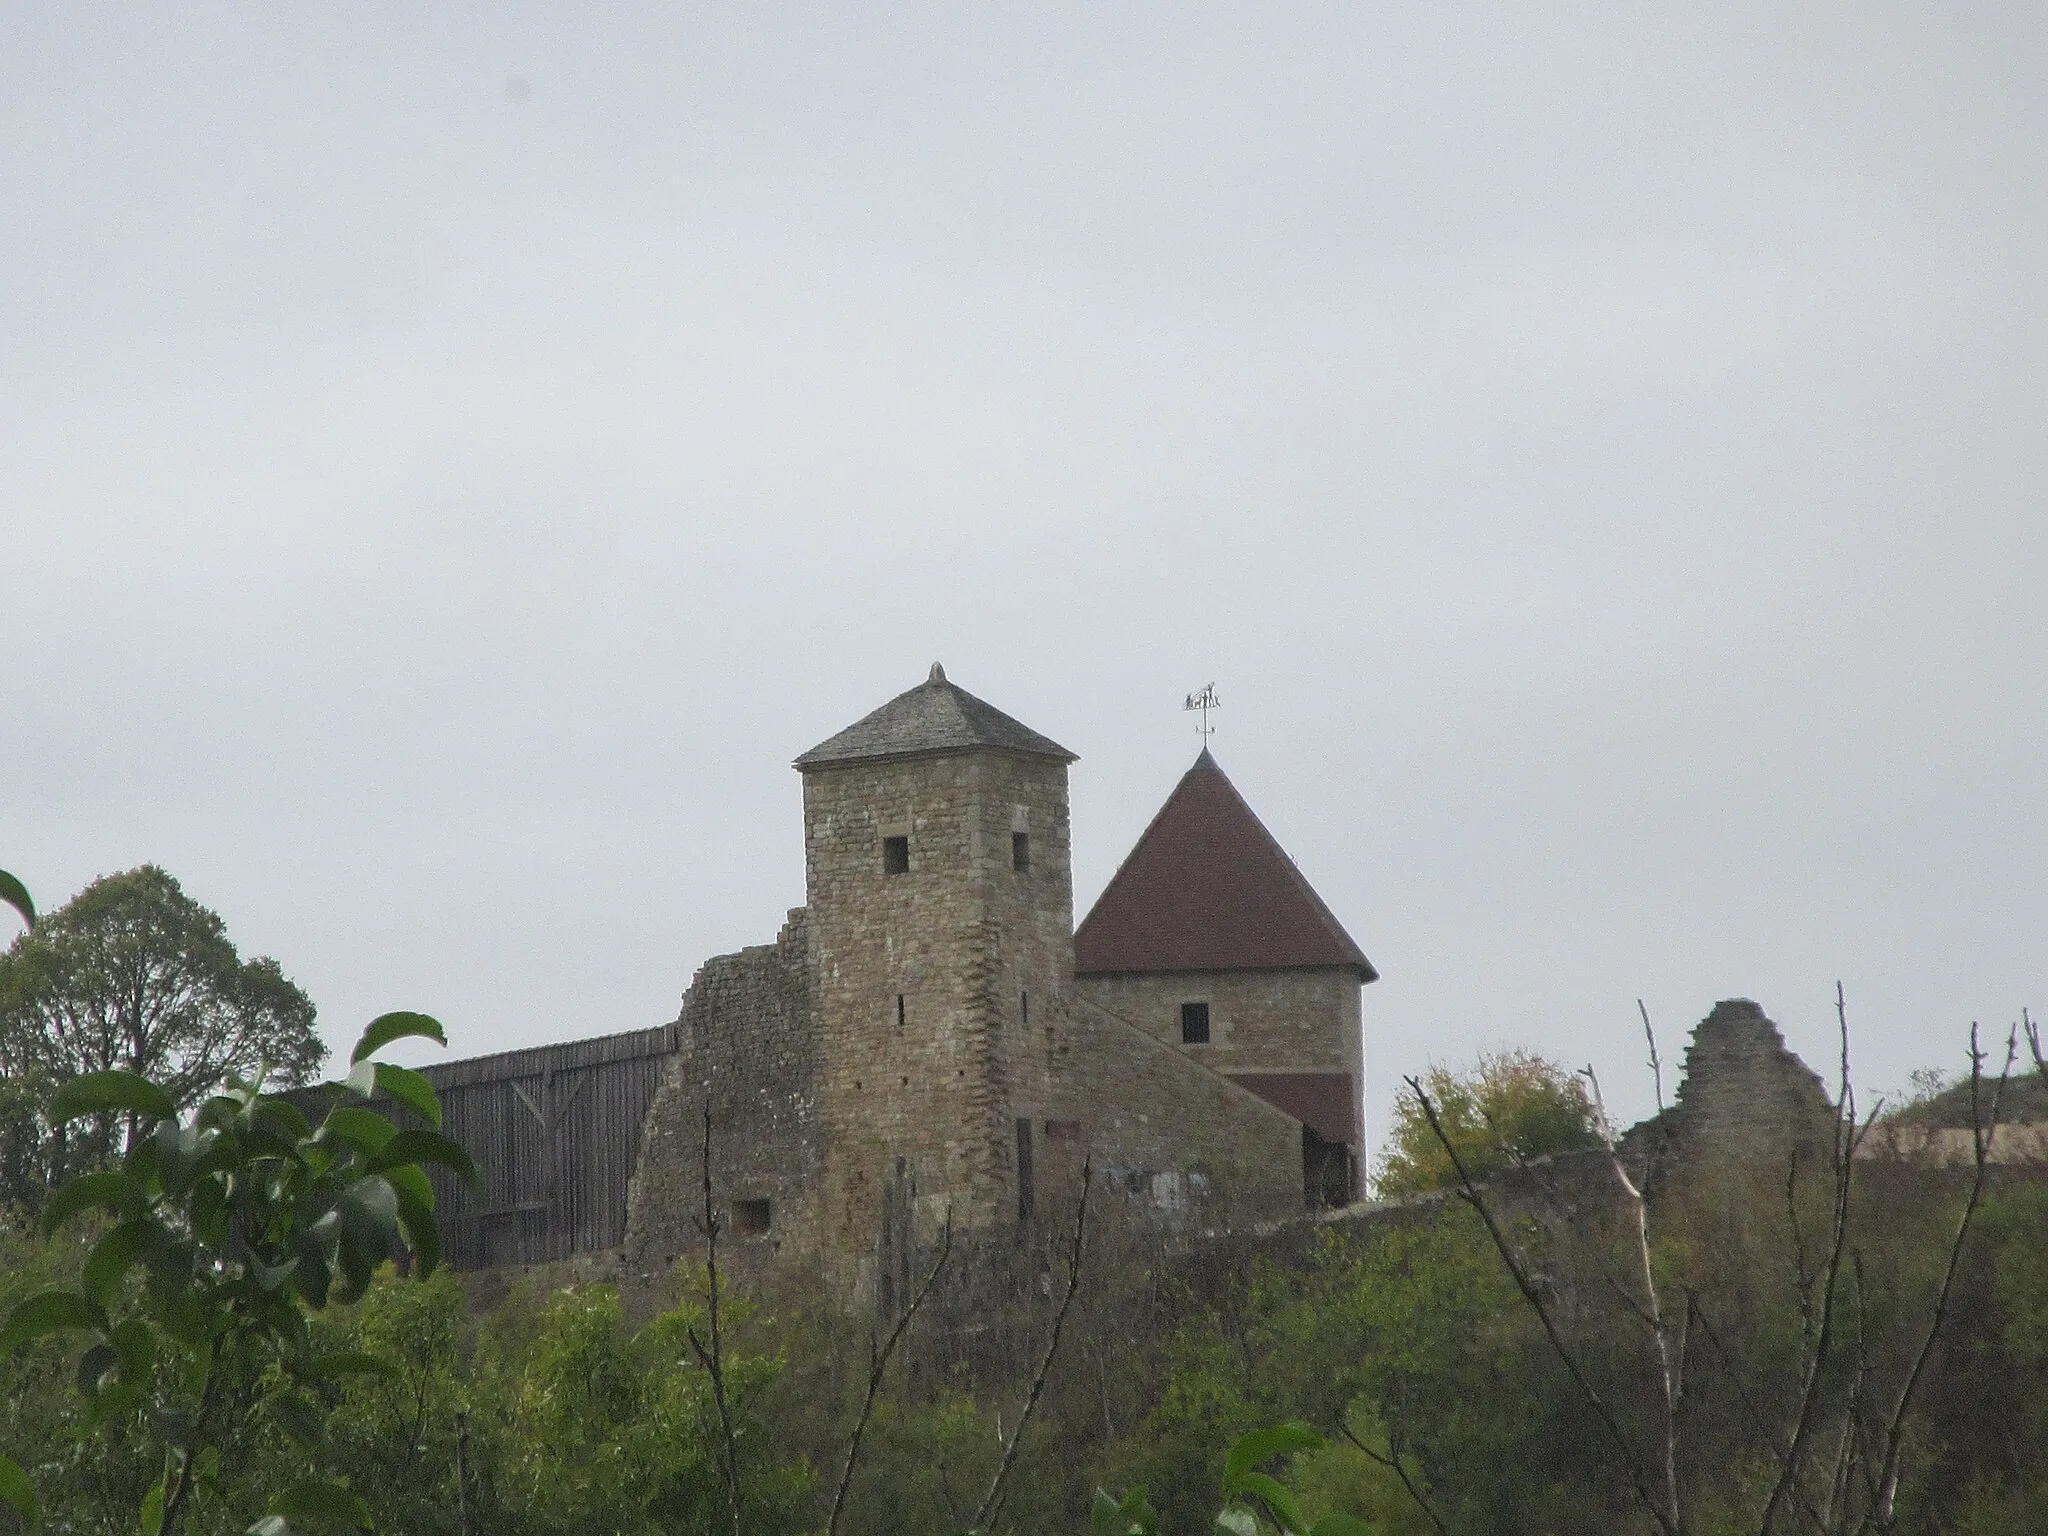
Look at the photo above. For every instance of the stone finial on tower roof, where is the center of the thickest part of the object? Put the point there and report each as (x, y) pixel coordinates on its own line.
(934, 717)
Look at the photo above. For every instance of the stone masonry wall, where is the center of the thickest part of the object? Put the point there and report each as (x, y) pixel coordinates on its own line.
(1143, 1108)
(919, 1098)
(745, 1041)
(1746, 1102)
(1259, 1021)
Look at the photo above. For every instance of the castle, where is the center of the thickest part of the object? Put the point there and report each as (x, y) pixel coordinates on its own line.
(931, 1039)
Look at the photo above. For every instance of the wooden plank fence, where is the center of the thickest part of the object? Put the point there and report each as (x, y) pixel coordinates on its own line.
(555, 1130)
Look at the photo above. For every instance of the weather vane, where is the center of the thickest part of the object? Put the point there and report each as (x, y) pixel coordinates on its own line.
(1203, 702)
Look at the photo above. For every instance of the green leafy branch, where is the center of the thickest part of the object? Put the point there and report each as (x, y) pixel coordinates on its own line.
(242, 1218)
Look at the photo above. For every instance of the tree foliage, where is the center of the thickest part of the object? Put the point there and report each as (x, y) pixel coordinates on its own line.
(1510, 1107)
(133, 975)
(217, 1233)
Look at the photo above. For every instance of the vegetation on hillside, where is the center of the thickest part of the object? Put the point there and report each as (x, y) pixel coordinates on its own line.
(1510, 1107)
(233, 1322)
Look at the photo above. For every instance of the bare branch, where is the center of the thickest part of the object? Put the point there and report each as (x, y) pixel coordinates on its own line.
(1849, 1457)
(878, 1364)
(1392, 1461)
(2033, 1031)
(1469, 1192)
(992, 1502)
(713, 1357)
(1983, 1128)
(1801, 1273)
(1846, 1137)
(462, 1472)
(1699, 1318)
(1651, 1312)
(1656, 1066)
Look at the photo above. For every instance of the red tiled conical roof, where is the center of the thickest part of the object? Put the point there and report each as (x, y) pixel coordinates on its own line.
(1208, 889)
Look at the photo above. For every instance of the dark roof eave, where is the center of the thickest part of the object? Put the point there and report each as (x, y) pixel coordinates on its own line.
(1363, 969)
(808, 764)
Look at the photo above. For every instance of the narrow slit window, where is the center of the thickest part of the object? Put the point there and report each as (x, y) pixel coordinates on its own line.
(1026, 1201)
(896, 855)
(1024, 1007)
(899, 1010)
(1194, 1023)
(1020, 851)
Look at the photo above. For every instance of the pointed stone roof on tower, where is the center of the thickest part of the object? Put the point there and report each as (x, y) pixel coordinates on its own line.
(934, 717)
(1208, 889)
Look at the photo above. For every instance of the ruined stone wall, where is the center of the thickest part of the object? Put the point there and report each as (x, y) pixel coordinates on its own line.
(1745, 1105)
(1259, 1021)
(920, 1097)
(747, 1045)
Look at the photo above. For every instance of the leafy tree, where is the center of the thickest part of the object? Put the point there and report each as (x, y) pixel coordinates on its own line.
(241, 1217)
(1512, 1106)
(133, 975)
(597, 1427)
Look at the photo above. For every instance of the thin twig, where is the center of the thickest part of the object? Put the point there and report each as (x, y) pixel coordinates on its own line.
(714, 1357)
(993, 1501)
(1749, 1404)
(1653, 1314)
(878, 1363)
(1847, 1457)
(1847, 1136)
(1983, 1128)
(1801, 1273)
(1656, 1065)
(462, 1472)
(1393, 1463)
(1469, 1191)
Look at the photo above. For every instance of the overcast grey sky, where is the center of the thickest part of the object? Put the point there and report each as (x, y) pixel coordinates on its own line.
(452, 458)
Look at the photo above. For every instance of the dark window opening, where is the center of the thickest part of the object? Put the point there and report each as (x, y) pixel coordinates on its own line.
(1062, 1130)
(1020, 850)
(1024, 1007)
(751, 1218)
(1025, 1202)
(899, 1010)
(1194, 1023)
(895, 855)
(1326, 1172)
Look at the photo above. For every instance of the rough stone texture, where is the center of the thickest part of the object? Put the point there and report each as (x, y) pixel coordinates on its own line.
(1281, 1021)
(1169, 1130)
(913, 1049)
(745, 1044)
(1746, 1102)
(935, 716)
(920, 1101)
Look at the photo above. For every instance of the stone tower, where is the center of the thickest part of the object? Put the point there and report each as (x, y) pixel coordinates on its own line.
(939, 900)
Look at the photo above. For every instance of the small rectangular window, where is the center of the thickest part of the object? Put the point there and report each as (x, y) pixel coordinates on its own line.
(1020, 851)
(751, 1218)
(1026, 1204)
(1194, 1023)
(1024, 1007)
(899, 1010)
(895, 855)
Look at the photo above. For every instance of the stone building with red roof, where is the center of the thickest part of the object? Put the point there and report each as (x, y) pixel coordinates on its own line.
(931, 1040)
(1209, 939)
